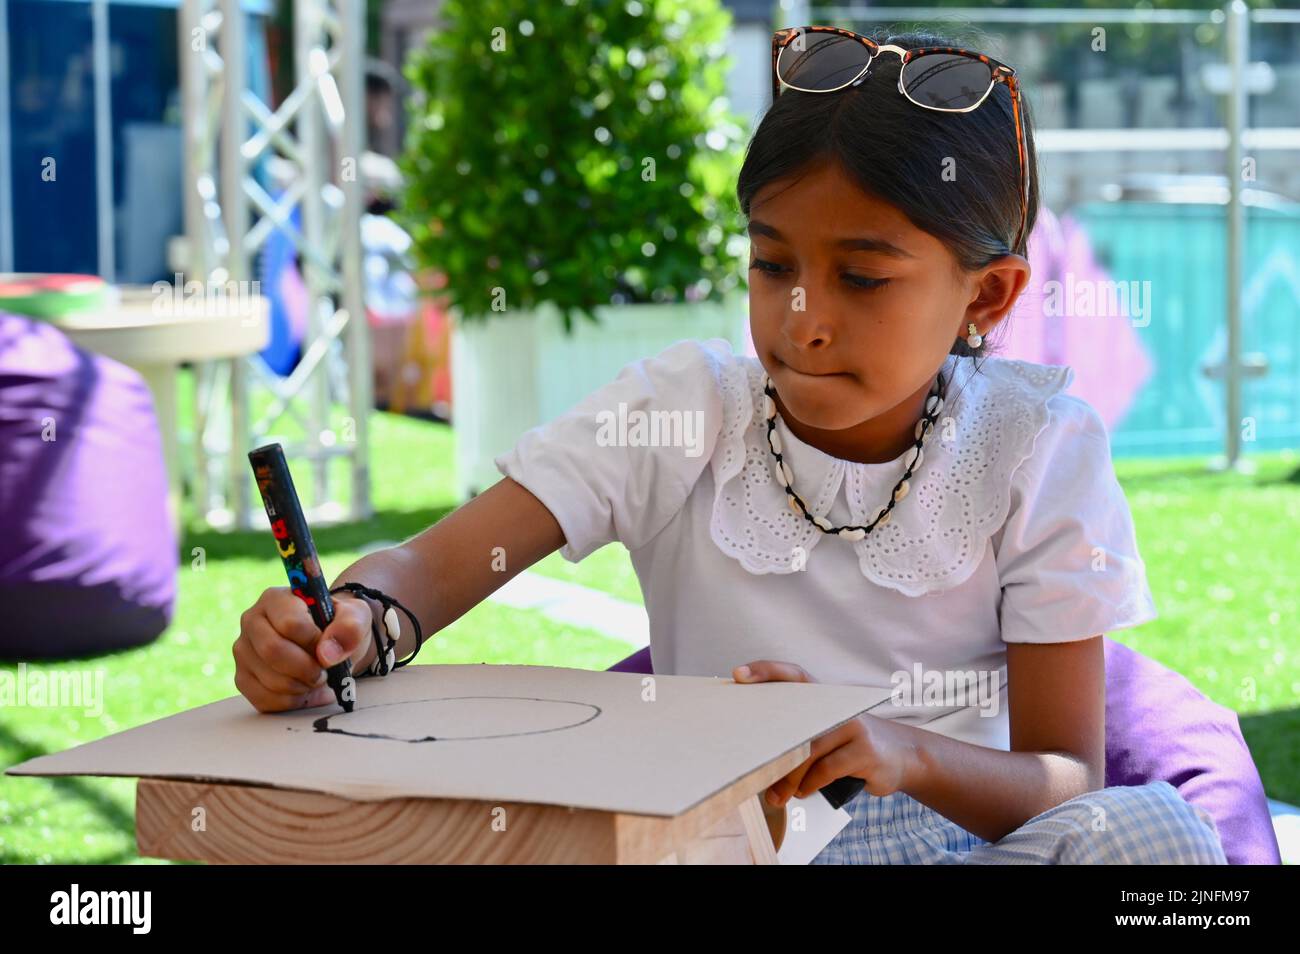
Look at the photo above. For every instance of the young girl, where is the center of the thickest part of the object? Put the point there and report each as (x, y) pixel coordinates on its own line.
(872, 501)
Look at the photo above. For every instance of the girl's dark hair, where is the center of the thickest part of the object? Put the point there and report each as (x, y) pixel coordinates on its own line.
(898, 151)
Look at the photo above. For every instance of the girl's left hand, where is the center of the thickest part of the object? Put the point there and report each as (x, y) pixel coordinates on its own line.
(878, 751)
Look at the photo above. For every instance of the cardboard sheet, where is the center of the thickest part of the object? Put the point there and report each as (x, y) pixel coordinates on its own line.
(537, 734)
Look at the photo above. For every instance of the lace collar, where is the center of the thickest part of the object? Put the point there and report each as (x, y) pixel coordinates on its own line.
(957, 500)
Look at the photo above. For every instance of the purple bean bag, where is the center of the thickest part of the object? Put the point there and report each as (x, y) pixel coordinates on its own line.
(88, 555)
(1160, 726)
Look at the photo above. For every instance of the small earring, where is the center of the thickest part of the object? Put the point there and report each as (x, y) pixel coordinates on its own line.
(974, 338)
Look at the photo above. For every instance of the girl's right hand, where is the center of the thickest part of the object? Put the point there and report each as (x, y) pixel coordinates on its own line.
(280, 655)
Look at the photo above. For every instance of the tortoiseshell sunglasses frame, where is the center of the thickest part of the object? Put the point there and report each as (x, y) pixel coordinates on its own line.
(999, 73)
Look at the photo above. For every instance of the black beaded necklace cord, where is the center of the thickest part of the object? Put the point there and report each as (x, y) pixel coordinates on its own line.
(785, 476)
(385, 651)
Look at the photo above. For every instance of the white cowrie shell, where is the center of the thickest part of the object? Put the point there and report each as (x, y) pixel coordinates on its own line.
(934, 405)
(789, 474)
(822, 522)
(857, 533)
(902, 490)
(769, 408)
(774, 439)
(391, 623)
(883, 515)
(916, 460)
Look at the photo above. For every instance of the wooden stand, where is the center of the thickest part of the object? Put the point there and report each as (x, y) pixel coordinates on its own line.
(248, 824)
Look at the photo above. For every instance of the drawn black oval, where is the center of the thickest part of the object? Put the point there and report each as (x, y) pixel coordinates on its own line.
(583, 712)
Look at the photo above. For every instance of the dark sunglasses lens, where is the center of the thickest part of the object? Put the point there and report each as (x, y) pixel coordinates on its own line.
(946, 81)
(821, 61)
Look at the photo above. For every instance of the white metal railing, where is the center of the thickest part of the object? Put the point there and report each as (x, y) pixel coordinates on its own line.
(318, 128)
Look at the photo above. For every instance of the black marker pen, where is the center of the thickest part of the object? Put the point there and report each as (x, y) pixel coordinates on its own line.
(293, 542)
(843, 790)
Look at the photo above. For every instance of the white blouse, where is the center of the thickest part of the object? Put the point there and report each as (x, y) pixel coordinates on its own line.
(1015, 529)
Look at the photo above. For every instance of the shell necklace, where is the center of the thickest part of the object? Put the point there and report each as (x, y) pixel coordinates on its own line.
(785, 476)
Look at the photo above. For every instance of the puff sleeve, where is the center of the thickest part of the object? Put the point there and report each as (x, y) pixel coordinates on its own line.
(1067, 556)
(621, 462)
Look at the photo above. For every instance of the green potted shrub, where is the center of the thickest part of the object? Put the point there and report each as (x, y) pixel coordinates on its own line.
(570, 168)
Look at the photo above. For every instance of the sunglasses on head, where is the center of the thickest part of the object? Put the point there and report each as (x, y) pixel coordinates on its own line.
(822, 59)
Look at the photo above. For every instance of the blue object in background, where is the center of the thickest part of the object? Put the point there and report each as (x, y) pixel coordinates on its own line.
(52, 127)
(284, 347)
(1181, 249)
(52, 123)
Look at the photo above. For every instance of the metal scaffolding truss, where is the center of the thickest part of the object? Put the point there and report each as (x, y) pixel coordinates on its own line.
(316, 134)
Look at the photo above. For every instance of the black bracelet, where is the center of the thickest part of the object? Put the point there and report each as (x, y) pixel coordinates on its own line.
(384, 663)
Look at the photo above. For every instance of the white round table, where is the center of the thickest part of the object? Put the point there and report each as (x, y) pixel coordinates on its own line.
(153, 332)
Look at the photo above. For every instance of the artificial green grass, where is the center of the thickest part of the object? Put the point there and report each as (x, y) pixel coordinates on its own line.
(1220, 549)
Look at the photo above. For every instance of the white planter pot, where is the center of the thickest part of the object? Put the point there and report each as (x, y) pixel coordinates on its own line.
(515, 370)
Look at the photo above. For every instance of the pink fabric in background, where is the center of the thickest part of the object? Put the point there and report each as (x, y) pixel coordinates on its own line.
(1110, 365)
(293, 291)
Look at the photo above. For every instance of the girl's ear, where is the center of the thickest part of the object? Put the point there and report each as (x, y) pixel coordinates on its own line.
(996, 288)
